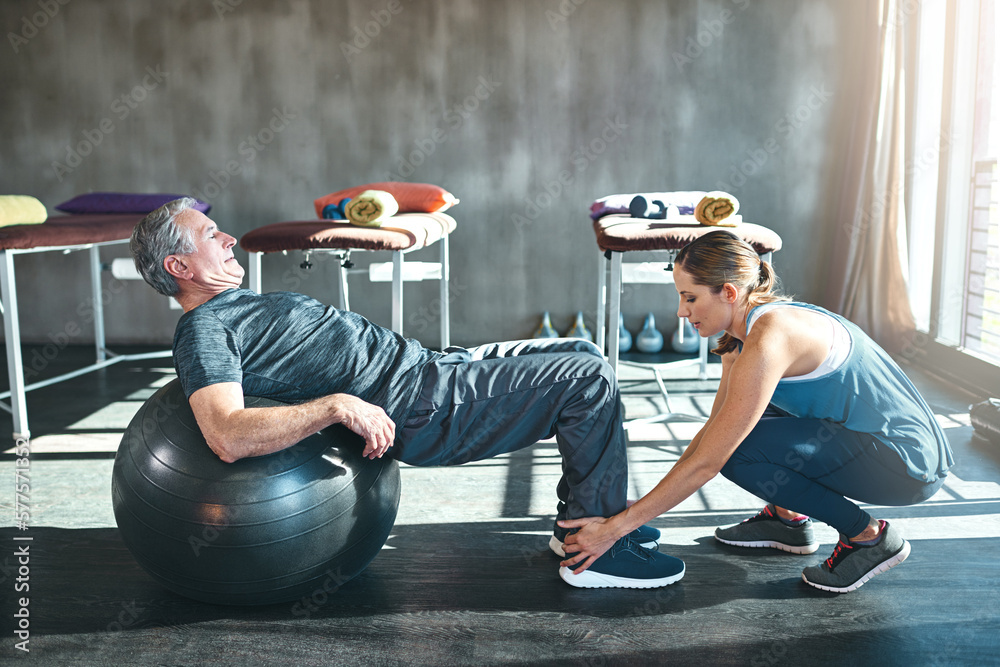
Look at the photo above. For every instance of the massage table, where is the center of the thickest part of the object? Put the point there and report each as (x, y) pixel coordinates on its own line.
(62, 234)
(619, 234)
(401, 234)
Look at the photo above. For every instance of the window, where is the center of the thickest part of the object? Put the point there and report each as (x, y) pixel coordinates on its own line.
(952, 204)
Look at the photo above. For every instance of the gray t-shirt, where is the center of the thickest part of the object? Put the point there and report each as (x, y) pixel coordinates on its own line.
(292, 348)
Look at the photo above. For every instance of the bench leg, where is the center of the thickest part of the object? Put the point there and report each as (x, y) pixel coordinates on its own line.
(445, 295)
(345, 302)
(397, 291)
(616, 308)
(96, 292)
(12, 333)
(703, 359)
(602, 299)
(254, 272)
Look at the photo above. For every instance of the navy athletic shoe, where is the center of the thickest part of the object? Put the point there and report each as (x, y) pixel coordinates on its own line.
(646, 536)
(627, 565)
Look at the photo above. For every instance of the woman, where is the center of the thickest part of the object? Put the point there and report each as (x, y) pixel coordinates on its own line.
(847, 424)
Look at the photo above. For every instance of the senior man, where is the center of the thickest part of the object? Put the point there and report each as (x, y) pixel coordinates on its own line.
(422, 407)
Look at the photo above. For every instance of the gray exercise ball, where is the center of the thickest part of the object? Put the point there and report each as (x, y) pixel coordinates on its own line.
(291, 525)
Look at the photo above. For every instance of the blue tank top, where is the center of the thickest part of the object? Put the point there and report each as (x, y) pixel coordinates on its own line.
(869, 393)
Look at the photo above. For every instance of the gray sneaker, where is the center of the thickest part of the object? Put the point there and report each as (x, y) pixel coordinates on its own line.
(851, 565)
(767, 530)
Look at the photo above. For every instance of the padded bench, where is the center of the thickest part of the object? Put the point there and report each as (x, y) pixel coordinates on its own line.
(400, 234)
(63, 234)
(619, 234)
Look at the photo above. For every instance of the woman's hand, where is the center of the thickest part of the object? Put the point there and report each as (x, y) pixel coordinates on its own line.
(596, 535)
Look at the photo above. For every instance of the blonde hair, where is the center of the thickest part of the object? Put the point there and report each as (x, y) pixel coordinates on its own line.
(721, 257)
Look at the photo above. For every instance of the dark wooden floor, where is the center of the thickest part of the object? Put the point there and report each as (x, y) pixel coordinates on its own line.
(466, 577)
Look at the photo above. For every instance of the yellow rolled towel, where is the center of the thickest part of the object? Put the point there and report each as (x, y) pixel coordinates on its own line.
(21, 210)
(371, 208)
(718, 209)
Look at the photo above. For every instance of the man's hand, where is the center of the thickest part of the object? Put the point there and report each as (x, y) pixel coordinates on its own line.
(367, 420)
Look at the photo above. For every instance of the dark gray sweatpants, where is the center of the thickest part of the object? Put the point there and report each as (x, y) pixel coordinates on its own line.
(498, 398)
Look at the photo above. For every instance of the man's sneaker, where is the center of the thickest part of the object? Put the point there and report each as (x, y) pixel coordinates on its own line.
(851, 565)
(646, 536)
(627, 565)
(767, 530)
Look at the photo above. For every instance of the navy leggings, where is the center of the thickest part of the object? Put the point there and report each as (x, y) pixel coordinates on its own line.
(813, 466)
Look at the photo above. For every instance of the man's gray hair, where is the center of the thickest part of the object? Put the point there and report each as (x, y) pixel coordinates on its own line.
(157, 236)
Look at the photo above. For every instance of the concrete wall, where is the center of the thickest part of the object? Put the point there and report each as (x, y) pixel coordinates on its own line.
(496, 101)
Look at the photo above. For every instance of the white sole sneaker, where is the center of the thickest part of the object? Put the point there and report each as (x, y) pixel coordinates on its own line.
(884, 566)
(591, 579)
(557, 546)
(800, 550)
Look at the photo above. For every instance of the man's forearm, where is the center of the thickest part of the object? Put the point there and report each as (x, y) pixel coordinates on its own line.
(235, 432)
(258, 431)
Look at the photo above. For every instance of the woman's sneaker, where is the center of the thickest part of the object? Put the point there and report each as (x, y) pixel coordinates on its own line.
(627, 565)
(851, 565)
(766, 529)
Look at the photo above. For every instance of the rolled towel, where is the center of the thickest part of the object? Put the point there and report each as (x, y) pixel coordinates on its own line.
(371, 208)
(718, 209)
(21, 210)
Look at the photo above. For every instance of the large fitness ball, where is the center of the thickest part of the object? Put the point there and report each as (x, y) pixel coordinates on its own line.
(275, 528)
